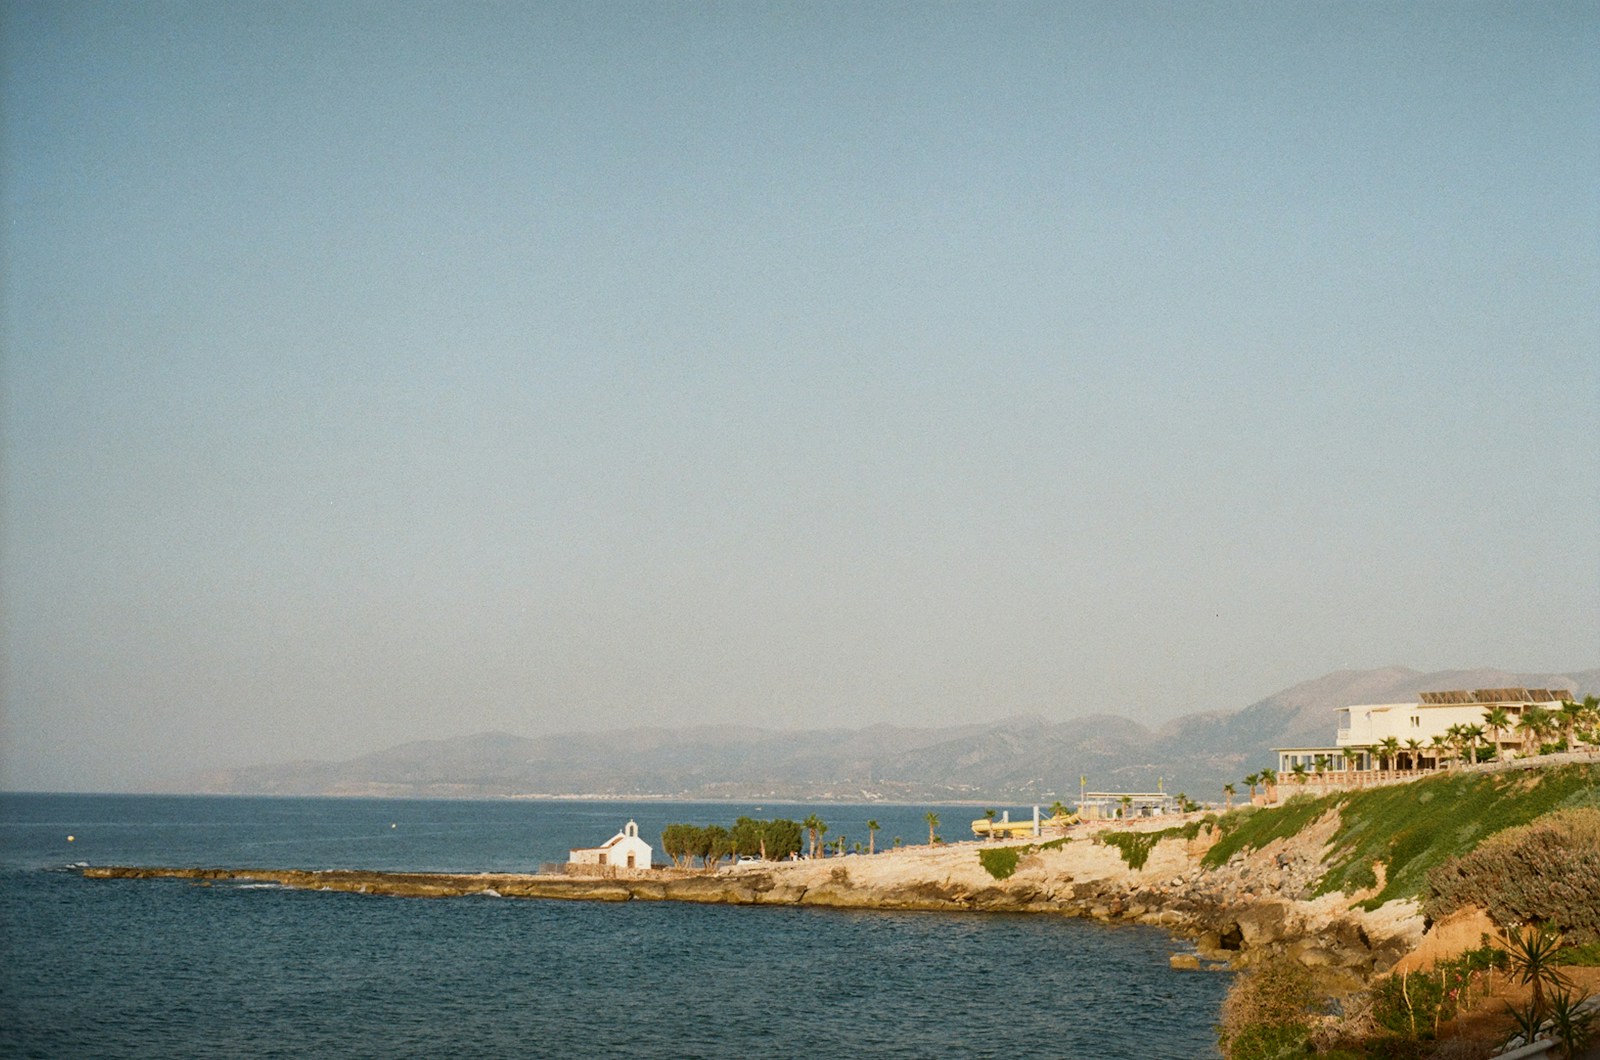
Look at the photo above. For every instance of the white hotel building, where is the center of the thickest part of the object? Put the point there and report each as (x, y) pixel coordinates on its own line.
(1361, 728)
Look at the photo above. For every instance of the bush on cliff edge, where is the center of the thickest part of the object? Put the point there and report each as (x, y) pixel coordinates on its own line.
(1000, 861)
(1543, 873)
(1269, 1011)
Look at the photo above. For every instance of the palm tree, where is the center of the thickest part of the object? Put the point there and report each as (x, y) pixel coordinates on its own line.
(1473, 734)
(933, 822)
(1440, 744)
(1300, 774)
(1414, 751)
(1058, 809)
(1253, 779)
(988, 815)
(822, 848)
(1497, 720)
(872, 837)
(1569, 716)
(1127, 801)
(1388, 750)
(812, 823)
(1589, 718)
(1533, 725)
(1269, 780)
(1320, 766)
(1227, 794)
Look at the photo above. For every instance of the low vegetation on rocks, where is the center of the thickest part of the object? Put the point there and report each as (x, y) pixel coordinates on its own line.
(1270, 1012)
(1413, 1005)
(1001, 862)
(1544, 872)
(1411, 829)
(1135, 847)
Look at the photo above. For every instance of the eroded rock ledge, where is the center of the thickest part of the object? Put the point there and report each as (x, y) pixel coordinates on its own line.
(1254, 906)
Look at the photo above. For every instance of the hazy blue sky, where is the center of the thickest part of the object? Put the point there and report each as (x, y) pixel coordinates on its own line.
(389, 371)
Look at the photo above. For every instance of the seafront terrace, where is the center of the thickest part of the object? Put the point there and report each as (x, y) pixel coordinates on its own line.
(1290, 783)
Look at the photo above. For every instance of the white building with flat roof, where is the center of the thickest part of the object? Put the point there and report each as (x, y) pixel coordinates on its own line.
(1109, 805)
(1415, 726)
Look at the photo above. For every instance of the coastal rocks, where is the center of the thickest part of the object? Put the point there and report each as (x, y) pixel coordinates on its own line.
(1236, 914)
(1261, 924)
(1220, 946)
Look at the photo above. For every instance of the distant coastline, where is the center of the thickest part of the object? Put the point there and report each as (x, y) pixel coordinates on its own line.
(969, 764)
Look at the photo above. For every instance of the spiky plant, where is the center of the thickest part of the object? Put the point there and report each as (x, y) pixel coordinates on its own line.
(1526, 1023)
(1533, 952)
(1572, 1023)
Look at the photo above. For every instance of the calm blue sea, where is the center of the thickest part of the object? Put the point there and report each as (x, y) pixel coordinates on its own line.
(173, 969)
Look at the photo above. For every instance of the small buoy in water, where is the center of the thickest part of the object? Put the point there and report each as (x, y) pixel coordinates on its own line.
(72, 839)
(393, 826)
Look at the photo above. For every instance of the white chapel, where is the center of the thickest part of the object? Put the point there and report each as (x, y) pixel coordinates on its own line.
(625, 850)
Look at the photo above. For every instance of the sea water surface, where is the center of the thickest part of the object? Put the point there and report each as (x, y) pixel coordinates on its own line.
(173, 968)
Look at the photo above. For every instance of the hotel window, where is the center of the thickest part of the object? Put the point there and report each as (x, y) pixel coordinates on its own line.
(1416, 721)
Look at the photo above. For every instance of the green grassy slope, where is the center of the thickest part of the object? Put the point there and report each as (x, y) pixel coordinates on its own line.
(1413, 827)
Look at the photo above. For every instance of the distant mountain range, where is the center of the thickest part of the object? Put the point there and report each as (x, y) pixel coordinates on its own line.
(1017, 759)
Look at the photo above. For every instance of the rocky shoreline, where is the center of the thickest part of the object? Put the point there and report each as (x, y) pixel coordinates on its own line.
(1256, 905)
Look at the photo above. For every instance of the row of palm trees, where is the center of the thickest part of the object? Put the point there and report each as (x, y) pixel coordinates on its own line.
(816, 828)
(1536, 728)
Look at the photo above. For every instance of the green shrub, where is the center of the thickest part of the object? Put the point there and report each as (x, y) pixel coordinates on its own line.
(1252, 828)
(1136, 846)
(1585, 956)
(1542, 873)
(1269, 1012)
(1000, 862)
(1265, 1042)
(1413, 1004)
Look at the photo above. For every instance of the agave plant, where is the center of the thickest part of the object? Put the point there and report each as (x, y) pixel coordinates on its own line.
(1526, 1023)
(1572, 1024)
(1532, 955)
